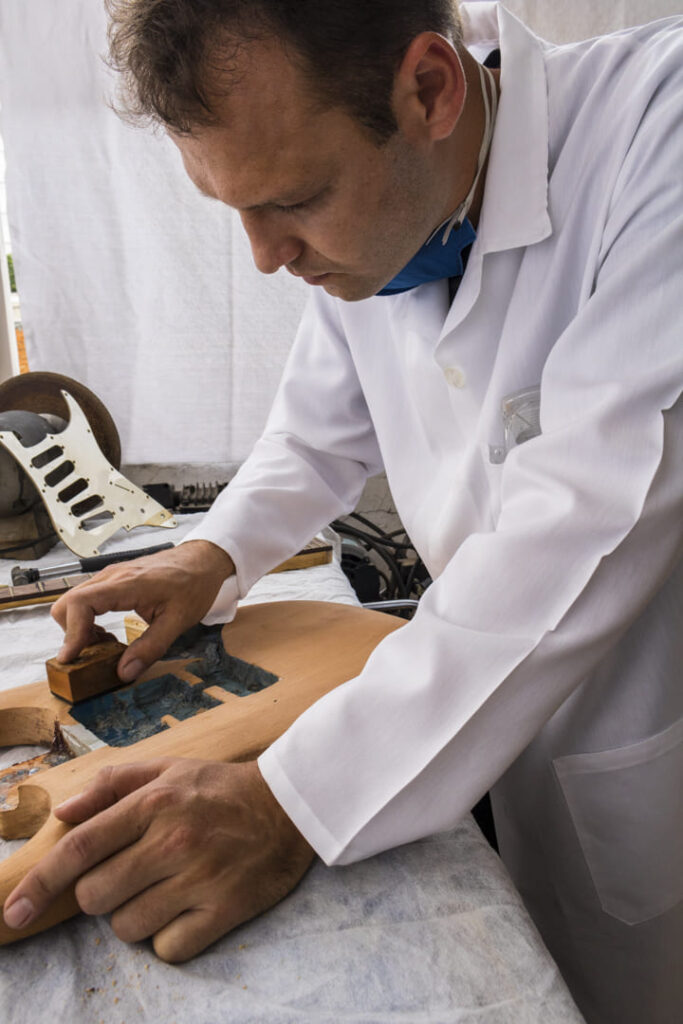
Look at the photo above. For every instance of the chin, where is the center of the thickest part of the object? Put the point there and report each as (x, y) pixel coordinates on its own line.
(349, 289)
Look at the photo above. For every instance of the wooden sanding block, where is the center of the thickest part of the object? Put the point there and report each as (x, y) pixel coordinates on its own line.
(93, 672)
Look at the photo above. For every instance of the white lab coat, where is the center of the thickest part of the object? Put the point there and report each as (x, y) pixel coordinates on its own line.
(547, 654)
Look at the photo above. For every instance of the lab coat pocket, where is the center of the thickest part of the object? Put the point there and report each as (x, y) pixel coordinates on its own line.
(521, 412)
(627, 809)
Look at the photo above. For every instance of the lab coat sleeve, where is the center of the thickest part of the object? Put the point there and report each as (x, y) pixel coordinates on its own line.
(309, 467)
(591, 524)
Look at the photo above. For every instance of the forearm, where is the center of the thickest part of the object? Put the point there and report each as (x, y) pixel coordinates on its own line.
(276, 503)
(317, 450)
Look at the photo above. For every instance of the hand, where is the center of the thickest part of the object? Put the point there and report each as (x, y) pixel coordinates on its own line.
(180, 850)
(172, 590)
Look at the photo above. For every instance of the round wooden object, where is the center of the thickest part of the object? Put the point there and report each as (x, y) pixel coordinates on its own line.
(40, 392)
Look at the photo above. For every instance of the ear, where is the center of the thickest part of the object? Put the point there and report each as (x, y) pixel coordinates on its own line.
(430, 88)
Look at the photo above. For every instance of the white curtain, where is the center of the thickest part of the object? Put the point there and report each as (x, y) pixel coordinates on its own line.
(565, 21)
(130, 281)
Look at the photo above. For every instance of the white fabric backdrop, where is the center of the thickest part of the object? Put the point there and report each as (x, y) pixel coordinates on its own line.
(130, 281)
(564, 21)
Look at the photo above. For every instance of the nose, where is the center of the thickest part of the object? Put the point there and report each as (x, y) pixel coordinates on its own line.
(272, 243)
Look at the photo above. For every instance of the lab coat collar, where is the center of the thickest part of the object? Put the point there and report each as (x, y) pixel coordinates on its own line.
(515, 204)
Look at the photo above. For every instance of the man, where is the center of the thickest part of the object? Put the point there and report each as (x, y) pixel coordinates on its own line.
(518, 375)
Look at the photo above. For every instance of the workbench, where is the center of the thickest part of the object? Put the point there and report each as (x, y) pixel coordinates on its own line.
(431, 932)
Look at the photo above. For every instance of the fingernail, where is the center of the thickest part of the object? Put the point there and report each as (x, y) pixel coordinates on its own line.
(131, 671)
(67, 803)
(19, 914)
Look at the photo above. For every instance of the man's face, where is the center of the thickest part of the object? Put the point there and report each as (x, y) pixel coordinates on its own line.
(314, 192)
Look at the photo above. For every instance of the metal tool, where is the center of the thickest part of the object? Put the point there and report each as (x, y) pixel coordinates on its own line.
(23, 575)
(198, 497)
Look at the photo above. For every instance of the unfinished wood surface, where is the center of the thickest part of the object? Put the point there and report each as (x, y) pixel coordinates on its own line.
(134, 626)
(313, 554)
(93, 672)
(311, 646)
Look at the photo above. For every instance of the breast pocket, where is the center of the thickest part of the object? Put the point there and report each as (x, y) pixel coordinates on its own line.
(521, 420)
(627, 808)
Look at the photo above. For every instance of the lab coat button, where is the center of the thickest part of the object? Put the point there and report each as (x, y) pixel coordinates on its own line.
(455, 376)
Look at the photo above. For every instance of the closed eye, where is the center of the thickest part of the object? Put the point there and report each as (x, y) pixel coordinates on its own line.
(305, 204)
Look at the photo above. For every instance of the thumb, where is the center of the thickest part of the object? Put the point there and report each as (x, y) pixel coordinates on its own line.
(149, 647)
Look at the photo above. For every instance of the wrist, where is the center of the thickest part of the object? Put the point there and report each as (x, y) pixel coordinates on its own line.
(210, 557)
(286, 836)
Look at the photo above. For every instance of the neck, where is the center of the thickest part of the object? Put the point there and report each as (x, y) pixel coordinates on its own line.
(465, 143)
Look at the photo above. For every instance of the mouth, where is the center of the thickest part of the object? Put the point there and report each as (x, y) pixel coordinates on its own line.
(316, 279)
(309, 278)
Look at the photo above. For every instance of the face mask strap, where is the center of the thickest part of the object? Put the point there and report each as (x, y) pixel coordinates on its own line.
(435, 262)
(490, 110)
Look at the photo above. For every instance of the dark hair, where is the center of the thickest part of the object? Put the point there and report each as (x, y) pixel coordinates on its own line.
(170, 52)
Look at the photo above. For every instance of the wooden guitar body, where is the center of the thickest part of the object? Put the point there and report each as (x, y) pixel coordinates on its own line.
(309, 646)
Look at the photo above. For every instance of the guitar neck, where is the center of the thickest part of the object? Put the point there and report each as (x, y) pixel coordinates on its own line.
(42, 592)
(47, 591)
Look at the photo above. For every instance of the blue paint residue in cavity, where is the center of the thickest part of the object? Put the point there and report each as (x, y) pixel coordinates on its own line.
(215, 666)
(126, 716)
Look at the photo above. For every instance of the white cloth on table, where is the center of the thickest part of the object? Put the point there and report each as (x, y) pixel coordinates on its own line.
(432, 933)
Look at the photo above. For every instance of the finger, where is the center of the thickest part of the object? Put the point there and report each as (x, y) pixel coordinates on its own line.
(109, 786)
(190, 933)
(129, 880)
(76, 611)
(69, 652)
(149, 911)
(74, 854)
(152, 645)
(79, 633)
